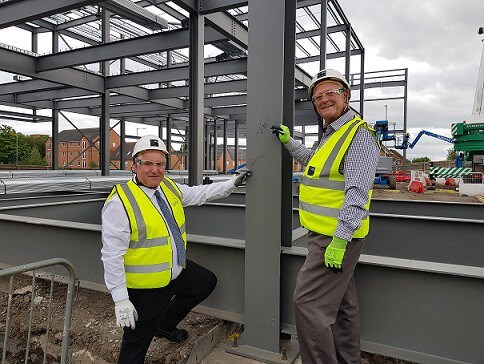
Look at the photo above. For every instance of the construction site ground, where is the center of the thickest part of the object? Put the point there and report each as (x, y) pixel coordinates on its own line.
(94, 337)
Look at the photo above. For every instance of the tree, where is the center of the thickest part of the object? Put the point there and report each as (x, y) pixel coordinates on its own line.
(93, 165)
(451, 154)
(421, 159)
(13, 145)
(34, 158)
(37, 141)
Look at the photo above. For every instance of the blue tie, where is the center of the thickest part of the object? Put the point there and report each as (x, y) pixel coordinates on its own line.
(175, 231)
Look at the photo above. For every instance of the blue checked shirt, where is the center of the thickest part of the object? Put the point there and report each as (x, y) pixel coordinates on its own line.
(358, 166)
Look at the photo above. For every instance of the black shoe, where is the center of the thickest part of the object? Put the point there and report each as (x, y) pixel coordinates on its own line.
(177, 335)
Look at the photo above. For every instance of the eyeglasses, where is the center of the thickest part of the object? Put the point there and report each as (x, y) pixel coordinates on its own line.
(150, 164)
(328, 94)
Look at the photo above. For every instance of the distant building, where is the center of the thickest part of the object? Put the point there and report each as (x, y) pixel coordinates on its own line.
(230, 156)
(79, 149)
(128, 155)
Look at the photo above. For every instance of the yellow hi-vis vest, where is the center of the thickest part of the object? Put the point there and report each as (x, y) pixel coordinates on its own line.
(148, 261)
(321, 192)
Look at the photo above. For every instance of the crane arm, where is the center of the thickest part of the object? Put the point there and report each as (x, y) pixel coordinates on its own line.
(422, 132)
(478, 107)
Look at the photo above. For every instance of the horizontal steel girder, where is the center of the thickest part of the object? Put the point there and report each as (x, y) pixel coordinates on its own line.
(164, 41)
(411, 308)
(19, 63)
(17, 12)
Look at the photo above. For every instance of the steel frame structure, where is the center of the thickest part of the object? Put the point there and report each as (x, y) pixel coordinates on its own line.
(410, 306)
(121, 62)
(148, 77)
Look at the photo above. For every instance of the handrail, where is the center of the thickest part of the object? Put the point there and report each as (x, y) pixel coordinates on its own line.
(69, 297)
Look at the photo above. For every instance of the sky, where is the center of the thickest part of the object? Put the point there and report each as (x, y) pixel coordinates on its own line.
(436, 40)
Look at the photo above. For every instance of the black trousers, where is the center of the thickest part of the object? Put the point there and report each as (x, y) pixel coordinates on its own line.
(164, 308)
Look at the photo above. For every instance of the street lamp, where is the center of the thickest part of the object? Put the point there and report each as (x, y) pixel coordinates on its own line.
(386, 111)
(137, 129)
(16, 135)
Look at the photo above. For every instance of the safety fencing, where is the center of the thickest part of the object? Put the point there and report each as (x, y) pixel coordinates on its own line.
(35, 298)
(472, 184)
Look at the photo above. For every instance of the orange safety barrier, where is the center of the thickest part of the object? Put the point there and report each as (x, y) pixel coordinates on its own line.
(450, 182)
(416, 186)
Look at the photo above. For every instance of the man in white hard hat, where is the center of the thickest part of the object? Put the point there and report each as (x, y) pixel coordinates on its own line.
(152, 283)
(334, 202)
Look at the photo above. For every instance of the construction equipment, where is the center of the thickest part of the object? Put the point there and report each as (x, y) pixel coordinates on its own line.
(469, 137)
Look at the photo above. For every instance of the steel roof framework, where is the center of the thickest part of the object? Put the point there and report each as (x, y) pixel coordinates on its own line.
(145, 87)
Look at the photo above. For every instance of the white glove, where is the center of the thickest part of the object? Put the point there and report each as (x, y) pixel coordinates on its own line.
(126, 314)
(241, 177)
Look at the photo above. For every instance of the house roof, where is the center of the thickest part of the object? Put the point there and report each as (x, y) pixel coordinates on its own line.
(128, 151)
(74, 135)
(231, 151)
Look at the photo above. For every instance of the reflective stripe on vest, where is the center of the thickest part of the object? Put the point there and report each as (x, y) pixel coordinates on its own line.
(148, 260)
(325, 182)
(322, 193)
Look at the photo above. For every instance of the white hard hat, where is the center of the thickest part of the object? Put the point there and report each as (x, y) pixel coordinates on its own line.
(327, 75)
(149, 142)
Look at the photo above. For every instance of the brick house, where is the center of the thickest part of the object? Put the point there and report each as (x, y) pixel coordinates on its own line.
(230, 154)
(79, 149)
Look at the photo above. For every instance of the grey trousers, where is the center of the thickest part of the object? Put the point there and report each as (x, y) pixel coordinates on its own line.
(326, 306)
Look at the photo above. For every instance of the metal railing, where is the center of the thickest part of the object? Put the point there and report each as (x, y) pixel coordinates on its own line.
(11, 272)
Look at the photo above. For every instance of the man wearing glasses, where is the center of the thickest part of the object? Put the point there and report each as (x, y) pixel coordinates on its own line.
(153, 285)
(334, 202)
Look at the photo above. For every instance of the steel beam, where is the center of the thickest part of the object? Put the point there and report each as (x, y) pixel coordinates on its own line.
(230, 27)
(174, 39)
(27, 86)
(210, 88)
(21, 11)
(77, 22)
(288, 117)
(196, 120)
(212, 6)
(409, 307)
(236, 66)
(19, 63)
(52, 95)
(265, 70)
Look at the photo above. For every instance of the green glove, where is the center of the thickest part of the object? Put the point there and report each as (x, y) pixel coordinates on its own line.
(282, 132)
(334, 255)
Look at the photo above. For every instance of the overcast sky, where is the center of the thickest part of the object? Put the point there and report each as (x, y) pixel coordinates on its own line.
(436, 40)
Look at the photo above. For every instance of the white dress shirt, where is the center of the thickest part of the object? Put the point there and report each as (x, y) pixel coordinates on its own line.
(116, 231)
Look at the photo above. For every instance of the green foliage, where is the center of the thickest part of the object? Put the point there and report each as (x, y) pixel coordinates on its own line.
(37, 141)
(93, 165)
(18, 147)
(451, 154)
(421, 159)
(34, 158)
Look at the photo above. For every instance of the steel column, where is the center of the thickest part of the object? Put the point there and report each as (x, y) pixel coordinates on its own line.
(122, 145)
(206, 151)
(288, 119)
(104, 121)
(168, 141)
(224, 152)
(348, 52)
(55, 137)
(362, 82)
(265, 70)
(323, 34)
(195, 147)
(236, 143)
(215, 149)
